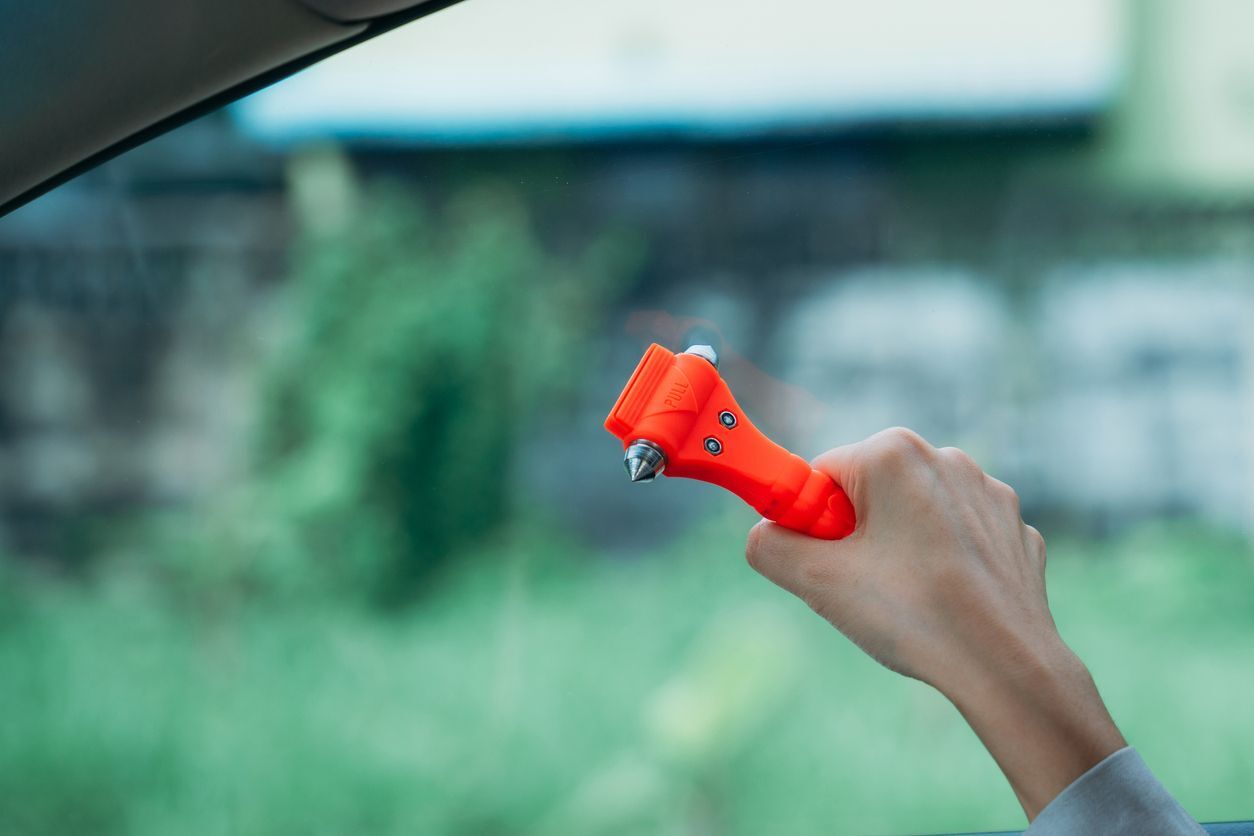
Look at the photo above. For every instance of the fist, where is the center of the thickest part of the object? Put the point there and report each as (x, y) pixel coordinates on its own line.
(941, 581)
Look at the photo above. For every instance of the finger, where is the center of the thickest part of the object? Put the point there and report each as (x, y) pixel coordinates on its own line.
(839, 463)
(884, 457)
(791, 560)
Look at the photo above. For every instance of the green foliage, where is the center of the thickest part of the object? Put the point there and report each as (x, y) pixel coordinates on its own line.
(546, 694)
(415, 350)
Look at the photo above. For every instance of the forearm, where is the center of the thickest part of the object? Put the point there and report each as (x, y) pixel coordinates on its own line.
(1045, 725)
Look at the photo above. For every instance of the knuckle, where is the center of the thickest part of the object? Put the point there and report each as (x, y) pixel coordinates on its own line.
(887, 458)
(1036, 541)
(1004, 491)
(904, 439)
(896, 448)
(1012, 496)
(959, 458)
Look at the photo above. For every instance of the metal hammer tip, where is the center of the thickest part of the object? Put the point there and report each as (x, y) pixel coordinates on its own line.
(644, 461)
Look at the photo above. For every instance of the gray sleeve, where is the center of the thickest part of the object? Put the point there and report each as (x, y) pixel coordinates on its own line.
(1118, 797)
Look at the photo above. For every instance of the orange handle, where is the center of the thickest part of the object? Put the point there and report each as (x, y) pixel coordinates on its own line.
(681, 404)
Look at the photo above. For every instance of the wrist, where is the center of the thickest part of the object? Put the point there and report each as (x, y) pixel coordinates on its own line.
(1041, 719)
(1012, 671)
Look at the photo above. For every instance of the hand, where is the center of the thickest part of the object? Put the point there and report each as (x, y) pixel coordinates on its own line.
(943, 582)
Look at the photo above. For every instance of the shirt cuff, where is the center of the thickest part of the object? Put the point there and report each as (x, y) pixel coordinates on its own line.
(1117, 797)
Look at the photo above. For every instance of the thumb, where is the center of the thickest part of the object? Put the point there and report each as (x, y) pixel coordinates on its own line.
(840, 463)
(800, 564)
(804, 565)
(869, 469)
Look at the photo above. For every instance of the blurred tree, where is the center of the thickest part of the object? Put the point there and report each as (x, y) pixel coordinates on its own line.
(415, 349)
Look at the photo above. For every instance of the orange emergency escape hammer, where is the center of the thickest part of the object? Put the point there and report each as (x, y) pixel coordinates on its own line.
(677, 415)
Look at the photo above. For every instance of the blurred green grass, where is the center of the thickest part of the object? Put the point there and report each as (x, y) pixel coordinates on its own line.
(544, 692)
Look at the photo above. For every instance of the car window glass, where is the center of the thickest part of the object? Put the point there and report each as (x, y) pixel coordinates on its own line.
(308, 519)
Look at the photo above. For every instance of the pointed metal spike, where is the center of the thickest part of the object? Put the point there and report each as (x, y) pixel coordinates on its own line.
(639, 469)
(643, 461)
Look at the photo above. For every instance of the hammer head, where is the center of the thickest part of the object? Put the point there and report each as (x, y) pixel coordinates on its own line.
(659, 406)
(677, 413)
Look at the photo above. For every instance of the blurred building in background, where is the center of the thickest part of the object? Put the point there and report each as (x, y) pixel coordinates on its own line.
(1028, 233)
